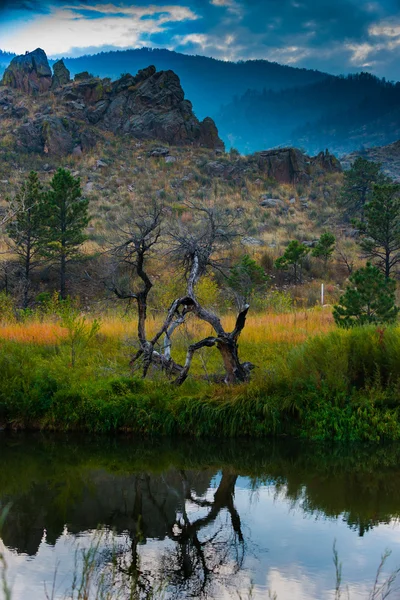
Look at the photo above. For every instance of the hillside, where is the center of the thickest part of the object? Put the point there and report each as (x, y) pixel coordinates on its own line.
(388, 156)
(339, 113)
(137, 138)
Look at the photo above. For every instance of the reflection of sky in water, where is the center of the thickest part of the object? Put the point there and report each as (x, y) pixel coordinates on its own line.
(289, 551)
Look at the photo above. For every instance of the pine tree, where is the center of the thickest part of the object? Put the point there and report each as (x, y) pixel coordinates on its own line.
(293, 257)
(381, 229)
(66, 217)
(370, 298)
(358, 185)
(247, 277)
(325, 246)
(25, 230)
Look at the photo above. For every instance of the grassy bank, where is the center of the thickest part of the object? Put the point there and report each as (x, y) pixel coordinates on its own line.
(312, 381)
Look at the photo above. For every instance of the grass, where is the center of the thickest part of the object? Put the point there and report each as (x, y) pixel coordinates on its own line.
(311, 381)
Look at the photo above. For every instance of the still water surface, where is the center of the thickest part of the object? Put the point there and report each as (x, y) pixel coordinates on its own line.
(200, 519)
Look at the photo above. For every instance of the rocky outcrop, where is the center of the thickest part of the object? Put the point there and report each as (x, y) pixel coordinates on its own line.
(61, 75)
(149, 106)
(290, 165)
(29, 72)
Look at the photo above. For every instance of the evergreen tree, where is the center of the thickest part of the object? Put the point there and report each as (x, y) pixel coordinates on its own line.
(247, 277)
(293, 257)
(358, 185)
(381, 229)
(66, 217)
(370, 298)
(25, 229)
(325, 247)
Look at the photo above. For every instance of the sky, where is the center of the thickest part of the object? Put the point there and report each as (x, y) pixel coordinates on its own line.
(336, 36)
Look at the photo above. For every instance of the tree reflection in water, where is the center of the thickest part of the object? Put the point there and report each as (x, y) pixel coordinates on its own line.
(164, 495)
(206, 550)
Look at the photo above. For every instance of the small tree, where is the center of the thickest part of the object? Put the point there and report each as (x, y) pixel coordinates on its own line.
(325, 247)
(358, 185)
(370, 298)
(293, 257)
(246, 278)
(381, 229)
(25, 229)
(66, 217)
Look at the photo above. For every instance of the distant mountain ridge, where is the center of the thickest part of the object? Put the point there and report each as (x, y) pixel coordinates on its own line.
(339, 113)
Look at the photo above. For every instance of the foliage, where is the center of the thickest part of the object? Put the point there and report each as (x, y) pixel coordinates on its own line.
(278, 302)
(325, 246)
(293, 257)
(7, 308)
(66, 217)
(381, 229)
(26, 227)
(79, 331)
(370, 298)
(247, 277)
(358, 185)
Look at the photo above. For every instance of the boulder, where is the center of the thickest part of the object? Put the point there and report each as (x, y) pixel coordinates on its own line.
(285, 165)
(251, 241)
(61, 75)
(266, 202)
(29, 72)
(157, 152)
(215, 168)
(291, 165)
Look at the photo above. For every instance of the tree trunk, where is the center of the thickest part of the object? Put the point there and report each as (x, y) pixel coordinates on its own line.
(63, 292)
(234, 370)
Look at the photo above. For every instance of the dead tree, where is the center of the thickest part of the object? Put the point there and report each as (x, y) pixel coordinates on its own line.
(193, 250)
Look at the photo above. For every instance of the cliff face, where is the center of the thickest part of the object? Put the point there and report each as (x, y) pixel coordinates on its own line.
(150, 105)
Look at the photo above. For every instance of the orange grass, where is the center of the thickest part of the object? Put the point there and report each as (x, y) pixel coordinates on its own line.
(33, 333)
(293, 328)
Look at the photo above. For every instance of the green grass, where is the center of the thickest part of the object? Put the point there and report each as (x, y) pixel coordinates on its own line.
(343, 385)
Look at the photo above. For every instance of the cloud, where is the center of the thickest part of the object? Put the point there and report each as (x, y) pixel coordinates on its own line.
(97, 25)
(339, 36)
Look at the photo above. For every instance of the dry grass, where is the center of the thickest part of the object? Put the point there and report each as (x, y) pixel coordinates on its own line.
(292, 328)
(33, 333)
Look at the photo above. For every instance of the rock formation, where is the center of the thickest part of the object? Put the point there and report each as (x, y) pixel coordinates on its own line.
(150, 105)
(290, 165)
(29, 72)
(61, 75)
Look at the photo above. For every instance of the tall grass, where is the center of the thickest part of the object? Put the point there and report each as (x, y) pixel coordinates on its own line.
(311, 380)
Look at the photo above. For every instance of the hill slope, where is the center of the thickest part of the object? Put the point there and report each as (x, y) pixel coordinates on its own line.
(339, 113)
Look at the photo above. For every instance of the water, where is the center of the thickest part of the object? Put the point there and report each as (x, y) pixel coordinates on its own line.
(198, 519)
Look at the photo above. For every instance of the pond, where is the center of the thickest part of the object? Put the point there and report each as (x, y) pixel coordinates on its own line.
(196, 519)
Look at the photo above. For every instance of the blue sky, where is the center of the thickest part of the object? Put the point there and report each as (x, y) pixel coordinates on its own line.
(337, 36)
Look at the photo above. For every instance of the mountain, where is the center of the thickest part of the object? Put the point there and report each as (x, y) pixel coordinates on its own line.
(339, 113)
(208, 82)
(51, 114)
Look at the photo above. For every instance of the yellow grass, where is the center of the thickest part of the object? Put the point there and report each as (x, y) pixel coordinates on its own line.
(293, 328)
(33, 333)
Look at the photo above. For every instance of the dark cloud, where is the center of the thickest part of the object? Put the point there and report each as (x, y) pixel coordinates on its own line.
(332, 35)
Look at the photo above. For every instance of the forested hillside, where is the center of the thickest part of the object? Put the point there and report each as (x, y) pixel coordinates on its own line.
(342, 113)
